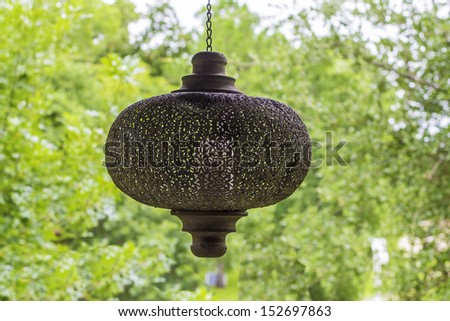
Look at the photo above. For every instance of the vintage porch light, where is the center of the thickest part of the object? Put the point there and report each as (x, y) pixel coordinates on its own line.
(208, 152)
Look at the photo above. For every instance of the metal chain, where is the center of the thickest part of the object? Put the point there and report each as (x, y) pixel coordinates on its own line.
(208, 27)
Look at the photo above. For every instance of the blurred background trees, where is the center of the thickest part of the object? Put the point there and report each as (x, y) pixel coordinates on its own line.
(374, 73)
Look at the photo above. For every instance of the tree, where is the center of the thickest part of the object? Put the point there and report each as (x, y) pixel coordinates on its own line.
(66, 74)
(68, 69)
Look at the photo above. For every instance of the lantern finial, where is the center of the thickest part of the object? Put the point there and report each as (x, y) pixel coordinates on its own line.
(209, 230)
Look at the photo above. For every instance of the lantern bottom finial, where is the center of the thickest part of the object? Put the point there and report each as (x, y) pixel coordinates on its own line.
(209, 230)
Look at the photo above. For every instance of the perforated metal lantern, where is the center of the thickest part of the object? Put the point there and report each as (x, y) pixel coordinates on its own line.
(208, 152)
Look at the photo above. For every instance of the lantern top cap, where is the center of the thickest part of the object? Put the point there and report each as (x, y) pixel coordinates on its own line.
(208, 74)
(209, 56)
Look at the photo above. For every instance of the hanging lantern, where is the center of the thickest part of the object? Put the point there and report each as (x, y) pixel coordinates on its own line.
(208, 152)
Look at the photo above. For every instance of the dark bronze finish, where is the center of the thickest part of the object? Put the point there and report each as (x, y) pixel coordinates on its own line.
(208, 74)
(208, 153)
(209, 230)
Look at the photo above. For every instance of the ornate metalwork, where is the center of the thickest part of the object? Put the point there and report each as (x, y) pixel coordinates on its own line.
(208, 153)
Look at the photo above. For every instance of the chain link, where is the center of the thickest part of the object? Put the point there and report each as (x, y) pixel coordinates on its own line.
(208, 27)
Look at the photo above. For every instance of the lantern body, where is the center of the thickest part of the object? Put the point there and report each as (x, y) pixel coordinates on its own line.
(208, 153)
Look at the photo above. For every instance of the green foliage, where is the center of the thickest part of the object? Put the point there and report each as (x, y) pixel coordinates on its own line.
(62, 220)
(69, 67)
